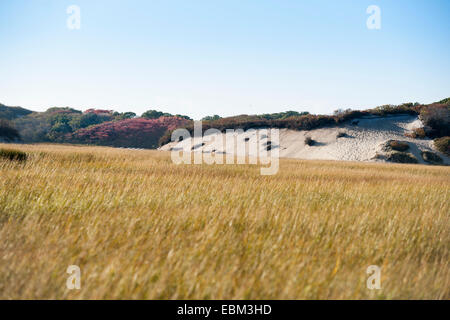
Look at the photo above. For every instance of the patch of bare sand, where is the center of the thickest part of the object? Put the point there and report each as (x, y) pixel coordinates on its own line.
(361, 140)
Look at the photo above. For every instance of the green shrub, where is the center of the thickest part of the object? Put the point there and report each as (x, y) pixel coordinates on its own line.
(8, 132)
(154, 114)
(401, 157)
(396, 145)
(419, 133)
(431, 157)
(443, 145)
(13, 155)
(445, 101)
(211, 118)
(309, 141)
(437, 117)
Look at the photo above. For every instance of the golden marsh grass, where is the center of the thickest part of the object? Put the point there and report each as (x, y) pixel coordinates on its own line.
(141, 227)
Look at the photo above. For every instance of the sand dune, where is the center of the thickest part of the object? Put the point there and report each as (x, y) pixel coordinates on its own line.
(362, 141)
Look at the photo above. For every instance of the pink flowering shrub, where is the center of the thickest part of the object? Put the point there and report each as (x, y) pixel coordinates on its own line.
(133, 133)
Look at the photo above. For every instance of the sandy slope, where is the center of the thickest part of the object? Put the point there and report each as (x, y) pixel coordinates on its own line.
(361, 143)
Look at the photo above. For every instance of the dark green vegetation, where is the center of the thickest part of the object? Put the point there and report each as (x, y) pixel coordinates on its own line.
(154, 114)
(13, 155)
(445, 101)
(395, 151)
(436, 118)
(10, 113)
(309, 141)
(7, 132)
(431, 157)
(443, 144)
(401, 157)
(210, 118)
(396, 145)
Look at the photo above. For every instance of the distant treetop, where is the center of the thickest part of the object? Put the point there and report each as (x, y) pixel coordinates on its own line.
(99, 111)
(445, 101)
(155, 114)
(283, 115)
(210, 118)
(56, 110)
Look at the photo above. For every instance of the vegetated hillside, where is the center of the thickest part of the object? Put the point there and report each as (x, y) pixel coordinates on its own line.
(62, 124)
(10, 113)
(66, 125)
(131, 133)
(7, 132)
(55, 124)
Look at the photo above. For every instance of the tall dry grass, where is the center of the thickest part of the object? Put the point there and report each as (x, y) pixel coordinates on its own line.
(141, 227)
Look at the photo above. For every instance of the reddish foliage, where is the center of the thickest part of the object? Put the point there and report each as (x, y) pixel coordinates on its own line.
(133, 133)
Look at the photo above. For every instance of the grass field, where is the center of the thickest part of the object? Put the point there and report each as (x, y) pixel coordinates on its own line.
(141, 227)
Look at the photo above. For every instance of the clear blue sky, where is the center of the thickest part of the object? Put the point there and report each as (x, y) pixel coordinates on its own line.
(223, 57)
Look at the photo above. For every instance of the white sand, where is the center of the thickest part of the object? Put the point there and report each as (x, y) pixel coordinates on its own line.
(361, 143)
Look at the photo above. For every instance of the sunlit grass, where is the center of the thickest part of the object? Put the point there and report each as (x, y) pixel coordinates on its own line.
(141, 227)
